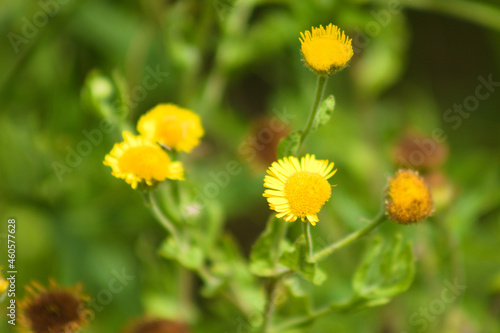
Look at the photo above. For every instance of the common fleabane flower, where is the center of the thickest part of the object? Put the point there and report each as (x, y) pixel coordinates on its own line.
(139, 160)
(298, 189)
(408, 198)
(173, 126)
(326, 51)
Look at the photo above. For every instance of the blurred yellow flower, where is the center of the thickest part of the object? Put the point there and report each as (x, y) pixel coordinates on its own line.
(4, 284)
(175, 127)
(409, 199)
(326, 51)
(141, 161)
(298, 188)
(55, 309)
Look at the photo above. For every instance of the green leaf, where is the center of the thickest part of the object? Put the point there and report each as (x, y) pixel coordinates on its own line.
(386, 270)
(292, 299)
(267, 249)
(296, 260)
(106, 96)
(97, 93)
(324, 113)
(289, 145)
(231, 268)
(191, 257)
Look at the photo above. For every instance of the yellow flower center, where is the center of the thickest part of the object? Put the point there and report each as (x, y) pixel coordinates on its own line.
(145, 162)
(172, 131)
(325, 52)
(306, 193)
(409, 198)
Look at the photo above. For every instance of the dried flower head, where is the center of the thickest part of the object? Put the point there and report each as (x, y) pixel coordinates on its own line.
(408, 198)
(156, 326)
(172, 126)
(420, 152)
(326, 51)
(53, 310)
(298, 188)
(139, 160)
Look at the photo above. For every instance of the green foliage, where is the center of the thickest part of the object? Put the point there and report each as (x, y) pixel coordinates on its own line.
(289, 145)
(296, 259)
(324, 113)
(268, 248)
(189, 256)
(386, 270)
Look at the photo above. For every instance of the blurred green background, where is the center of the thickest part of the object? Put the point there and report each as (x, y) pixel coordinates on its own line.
(415, 88)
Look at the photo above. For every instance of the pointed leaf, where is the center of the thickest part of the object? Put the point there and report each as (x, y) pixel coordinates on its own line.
(386, 270)
(191, 257)
(289, 145)
(296, 259)
(267, 249)
(324, 113)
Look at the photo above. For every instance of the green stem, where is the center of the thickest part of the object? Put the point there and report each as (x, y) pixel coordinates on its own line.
(306, 229)
(270, 295)
(269, 309)
(151, 203)
(320, 89)
(300, 321)
(274, 281)
(381, 218)
(186, 292)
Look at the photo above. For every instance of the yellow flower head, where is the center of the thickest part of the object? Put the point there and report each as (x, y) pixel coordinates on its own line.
(298, 188)
(408, 198)
(175, 127)
(55, 309)
(4, 284)
(139, 160)
(326, 51)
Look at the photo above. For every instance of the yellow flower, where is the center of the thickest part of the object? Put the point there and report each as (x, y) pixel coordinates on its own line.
(326, 51)
(175, 127)
(4, 284)
(298, 188)
(408, 198)
(54, 309)
(141, 161)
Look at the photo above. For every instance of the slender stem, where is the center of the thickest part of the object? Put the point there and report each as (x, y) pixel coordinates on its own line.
(269, 309)
(186, 291)
(301, 320)
(306, 229)
(274, 281)
(381, 218)
(270, 295)
(292, 323)
(320, 89)
(151, 200)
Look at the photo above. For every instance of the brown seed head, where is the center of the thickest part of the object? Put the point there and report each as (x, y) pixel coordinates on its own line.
(53, 310)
